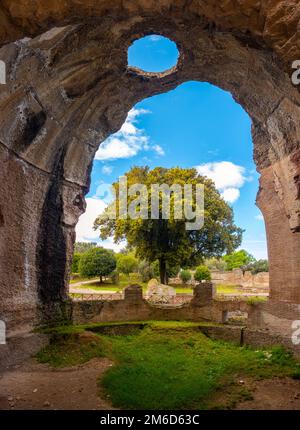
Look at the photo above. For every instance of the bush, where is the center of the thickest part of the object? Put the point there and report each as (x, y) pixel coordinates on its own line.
(75, 262)
(97, 262)
(202, 274)
(185, 276)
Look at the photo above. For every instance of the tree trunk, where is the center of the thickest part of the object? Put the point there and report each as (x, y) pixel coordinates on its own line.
(101, 280)
(163, 271)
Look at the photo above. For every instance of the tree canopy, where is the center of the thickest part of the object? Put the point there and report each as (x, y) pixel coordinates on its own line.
(97, 262)
(238, 259)
(168, 240)
(127, 263)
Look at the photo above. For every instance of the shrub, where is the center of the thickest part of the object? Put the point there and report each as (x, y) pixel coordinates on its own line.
(185, 276)
(202, 274)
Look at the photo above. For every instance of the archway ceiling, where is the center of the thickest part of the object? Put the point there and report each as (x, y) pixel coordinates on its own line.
(271, 23)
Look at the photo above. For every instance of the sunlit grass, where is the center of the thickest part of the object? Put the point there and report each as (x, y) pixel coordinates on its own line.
(170, 365)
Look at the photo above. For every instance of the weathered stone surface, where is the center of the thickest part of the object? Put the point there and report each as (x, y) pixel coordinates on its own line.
(203, 294)
(244, 279)
(69, 88)
(159, 293)
(272, 23)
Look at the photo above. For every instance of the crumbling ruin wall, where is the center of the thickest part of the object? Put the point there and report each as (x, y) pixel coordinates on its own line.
(69, 87)
(134, 307)
(242, 278)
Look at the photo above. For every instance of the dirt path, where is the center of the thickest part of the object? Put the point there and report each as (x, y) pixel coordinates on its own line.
(78, 284)
(272, 394)
(37, 386)
(78, 290)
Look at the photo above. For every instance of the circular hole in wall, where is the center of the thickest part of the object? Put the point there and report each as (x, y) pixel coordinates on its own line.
(153, 54)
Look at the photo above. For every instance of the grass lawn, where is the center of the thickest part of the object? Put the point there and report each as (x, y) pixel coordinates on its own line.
(170, 365)
(221, 289)
(125, 281)
(228, 289)
(107, 286)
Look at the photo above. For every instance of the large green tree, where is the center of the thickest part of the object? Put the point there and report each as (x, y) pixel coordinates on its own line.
(97, 262)
(168, 240)
(238, 259)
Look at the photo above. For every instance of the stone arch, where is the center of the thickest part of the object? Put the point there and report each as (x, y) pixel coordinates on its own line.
(69, 88)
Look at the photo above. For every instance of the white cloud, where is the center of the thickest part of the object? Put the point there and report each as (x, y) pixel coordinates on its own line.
(158, 149)
(259, 217)
(106, 170)
(84, 228)
(228, 178)
(231, 195)
(110, 244)
(155, 38)
(128, 141)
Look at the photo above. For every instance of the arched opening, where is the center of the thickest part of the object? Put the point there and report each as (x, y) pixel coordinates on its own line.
(70, 92)
(196, 125)
(154, 54)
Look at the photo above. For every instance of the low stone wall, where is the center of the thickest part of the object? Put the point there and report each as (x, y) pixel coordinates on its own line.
(134, 307)
(244, 279)
(267, 324)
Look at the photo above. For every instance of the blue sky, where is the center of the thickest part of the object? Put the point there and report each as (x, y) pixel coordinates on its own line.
(195, 125)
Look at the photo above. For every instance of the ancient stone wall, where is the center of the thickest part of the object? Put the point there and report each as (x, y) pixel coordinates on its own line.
(267, 323)
(243, 279)
(69, 87)
(135, 308)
